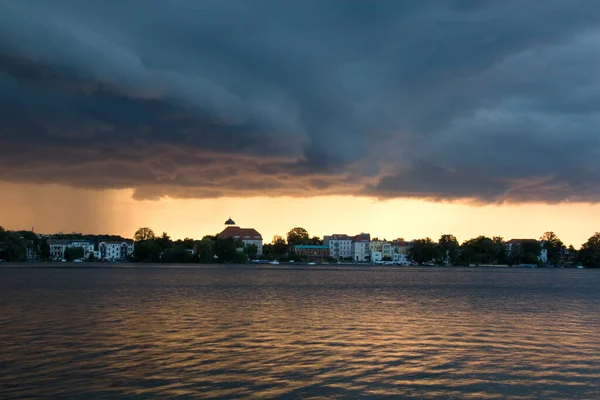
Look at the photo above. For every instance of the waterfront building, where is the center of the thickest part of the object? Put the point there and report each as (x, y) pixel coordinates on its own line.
(382, 246)
(340, 246)
(400, 259)
(248, 236)
(401, 252)
(312, 252)
(360, 248)
(57, 248)
(376, 257)
(115, 250)
(87, 246)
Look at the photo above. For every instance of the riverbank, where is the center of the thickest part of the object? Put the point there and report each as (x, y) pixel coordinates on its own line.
(281, 265)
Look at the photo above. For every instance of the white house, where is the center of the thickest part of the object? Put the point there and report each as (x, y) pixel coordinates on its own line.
(400, 259)
(88, 247)
(401, 250)
(360, 247)
(57, 248)
(340, 246)
(113, 251)
(376, 257)
(382, 246)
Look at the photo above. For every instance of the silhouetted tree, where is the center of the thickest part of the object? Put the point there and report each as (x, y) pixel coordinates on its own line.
(424, 250)
(297, 236)
(554, 246)
(449, 248)
(45, 250)
(12, 247)
(280, 247)
(74, 253)
(177, 254)
(525, 252)
(480, 250)
(251, 251)
(144, 234)
(589, 254)
(205, 250)
(315, 241)
(164, 241)
(147, 251)
(227, 250)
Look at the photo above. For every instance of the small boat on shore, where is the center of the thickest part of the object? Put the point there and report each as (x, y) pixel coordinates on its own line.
(274, 262)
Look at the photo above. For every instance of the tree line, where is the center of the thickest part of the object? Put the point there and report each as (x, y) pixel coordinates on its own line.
(15, 245)
(486, 250)
(149, 247)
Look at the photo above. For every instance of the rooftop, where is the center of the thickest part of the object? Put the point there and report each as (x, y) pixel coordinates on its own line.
(363, 237)
(240, 233)
(58, 241)
(515, 241)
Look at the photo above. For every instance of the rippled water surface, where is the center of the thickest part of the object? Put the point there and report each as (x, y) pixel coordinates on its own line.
(241, 332)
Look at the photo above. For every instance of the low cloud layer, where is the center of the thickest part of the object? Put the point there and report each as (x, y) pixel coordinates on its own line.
(489, 101)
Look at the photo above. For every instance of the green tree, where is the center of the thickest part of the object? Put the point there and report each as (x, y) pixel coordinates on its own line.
(297, 236)
(144, 234)
(12, 246)
(226, 250)
(589, 254)
(147, 251)
(554, 246)
(316, 241)
(449, 248)
(188, 243)
(480, 250)
(501, 254)
(531, 250)
(74, 253)
(424, 250)
(44, 250)
(280, 247)
(205, 250)
(164, 241)
(251, 251)
(572, 254)
(177, 254)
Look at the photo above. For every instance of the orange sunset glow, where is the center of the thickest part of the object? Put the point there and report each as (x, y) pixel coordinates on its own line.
(63, 209)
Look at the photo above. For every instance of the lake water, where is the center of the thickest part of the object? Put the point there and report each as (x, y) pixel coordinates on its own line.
(244, 332)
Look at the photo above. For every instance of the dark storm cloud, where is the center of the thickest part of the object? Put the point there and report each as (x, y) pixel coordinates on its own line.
(494, 101)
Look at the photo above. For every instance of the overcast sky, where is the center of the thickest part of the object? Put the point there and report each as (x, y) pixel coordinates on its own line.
(493, 101)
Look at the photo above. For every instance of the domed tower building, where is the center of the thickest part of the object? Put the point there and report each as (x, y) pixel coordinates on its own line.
(248, 236)
(229, 222)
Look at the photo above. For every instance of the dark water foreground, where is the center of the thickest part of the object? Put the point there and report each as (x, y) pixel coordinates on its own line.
(299, 333)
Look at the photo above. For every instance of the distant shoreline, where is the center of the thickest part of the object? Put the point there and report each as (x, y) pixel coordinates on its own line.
(129, 265)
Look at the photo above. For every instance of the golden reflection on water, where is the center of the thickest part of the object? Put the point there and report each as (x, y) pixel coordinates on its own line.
(249, 333)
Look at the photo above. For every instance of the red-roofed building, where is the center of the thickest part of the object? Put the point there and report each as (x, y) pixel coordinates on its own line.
(344, 247)
(248, 236)
(360, 247)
